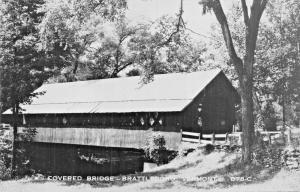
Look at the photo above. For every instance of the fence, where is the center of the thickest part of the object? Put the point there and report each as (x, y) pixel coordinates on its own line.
(236, 137)
(210, 138)
(269, 136)
(190, 137)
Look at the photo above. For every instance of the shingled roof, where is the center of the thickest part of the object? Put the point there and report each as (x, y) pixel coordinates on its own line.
(167, 93)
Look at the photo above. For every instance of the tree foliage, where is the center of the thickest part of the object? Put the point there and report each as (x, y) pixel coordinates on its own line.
(159, 50)
(69, 28)
(150, 48)
(155, 149)
(23, 65)
(278, 52)
(22, 155)
(112, 55)
(278, 55)
(5, 154)
(37, 39)
(275, 69)
(93, 40)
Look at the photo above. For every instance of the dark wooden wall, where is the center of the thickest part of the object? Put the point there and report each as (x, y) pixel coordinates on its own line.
(162, 121)
(62, 159)
(217, 103)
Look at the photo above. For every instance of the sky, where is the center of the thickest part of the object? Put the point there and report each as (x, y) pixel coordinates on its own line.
(149, 10)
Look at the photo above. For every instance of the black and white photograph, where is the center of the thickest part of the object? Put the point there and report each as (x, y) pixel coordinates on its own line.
(149, 95)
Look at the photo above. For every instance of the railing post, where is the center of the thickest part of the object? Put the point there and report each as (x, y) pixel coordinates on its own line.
(240, 139)
(181, 134)
(269, 138)
(289, 136)
(199, 138)
(226, 138)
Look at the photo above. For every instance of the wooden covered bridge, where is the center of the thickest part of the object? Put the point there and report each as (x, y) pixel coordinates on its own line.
(112, 118)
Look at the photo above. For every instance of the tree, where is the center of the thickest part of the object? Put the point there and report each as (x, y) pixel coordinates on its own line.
(69, 28)
(23, 65)
(145, 47)
(216, 43)
(278, 55)
(79, 33)
(163, 47)
(243, 66)
(112, 55)
(274, 78)
(33, 47)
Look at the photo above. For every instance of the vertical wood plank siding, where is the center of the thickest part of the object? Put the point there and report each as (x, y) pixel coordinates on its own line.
(218, 104)
(108, 137)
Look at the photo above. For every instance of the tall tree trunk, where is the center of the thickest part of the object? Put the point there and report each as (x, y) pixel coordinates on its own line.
(0, 100)
(283, 111)
(247, 118)
(0, 95)
(14, 144)
(75, 67)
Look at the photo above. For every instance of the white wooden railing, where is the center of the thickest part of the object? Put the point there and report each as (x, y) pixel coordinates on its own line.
(209, 138)
(268, 136)
(192, 140)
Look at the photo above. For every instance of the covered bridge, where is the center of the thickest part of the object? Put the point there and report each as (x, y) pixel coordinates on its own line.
(122, 112)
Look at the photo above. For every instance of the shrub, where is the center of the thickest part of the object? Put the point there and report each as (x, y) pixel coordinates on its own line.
(183, 151)
(291, 158)
(267, 155)
(5, 171)
(227, 148)
(156, 151)
(209, 148)
(5, 153)
(22, 155)
(269, 117)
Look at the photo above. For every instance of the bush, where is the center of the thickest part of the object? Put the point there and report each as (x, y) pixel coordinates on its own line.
(267, 155)
(183, 151)
(269, 117)
(156, 151)
(5, 171)
(228, 148)
(291, 158)
(22, 155)
(5, 153)
(209, 148)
